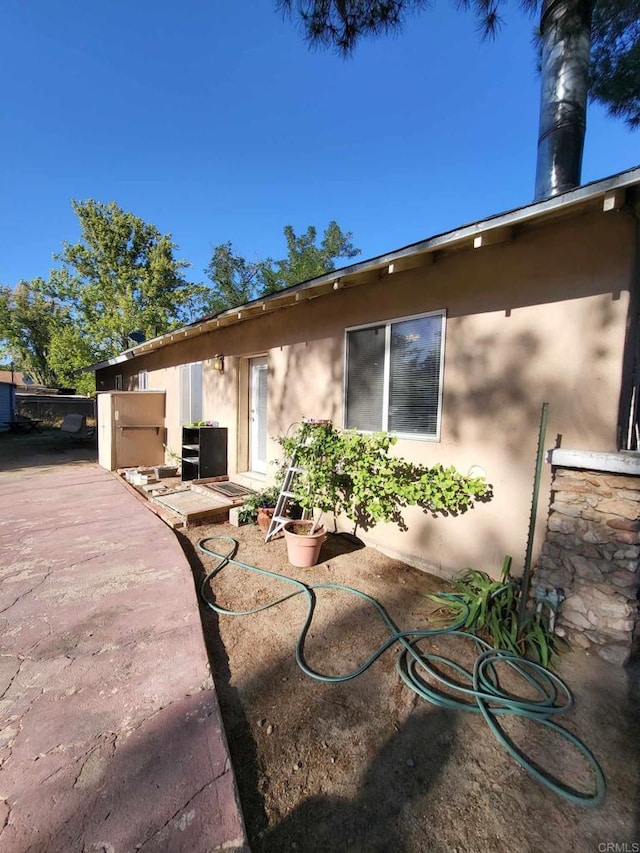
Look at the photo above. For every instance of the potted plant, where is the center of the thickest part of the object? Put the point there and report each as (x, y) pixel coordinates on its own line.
(304, 540)
(354, 474)
(314, 448)
(258, 507)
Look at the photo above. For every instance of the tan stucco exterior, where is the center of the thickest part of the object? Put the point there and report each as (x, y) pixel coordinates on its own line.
(539, 317)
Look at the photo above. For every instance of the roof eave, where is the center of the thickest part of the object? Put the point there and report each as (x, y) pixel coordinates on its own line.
(490, 230)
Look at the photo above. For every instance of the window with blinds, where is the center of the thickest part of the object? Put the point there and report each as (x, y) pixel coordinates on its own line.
(394, 376)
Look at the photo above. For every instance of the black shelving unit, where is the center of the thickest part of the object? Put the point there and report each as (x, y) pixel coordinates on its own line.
(204, 452)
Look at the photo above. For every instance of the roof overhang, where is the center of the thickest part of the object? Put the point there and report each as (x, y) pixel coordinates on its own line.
(609, 194)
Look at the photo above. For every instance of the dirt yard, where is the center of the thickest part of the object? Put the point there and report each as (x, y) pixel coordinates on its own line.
(43, 449)
(368, 766)
(365, 765)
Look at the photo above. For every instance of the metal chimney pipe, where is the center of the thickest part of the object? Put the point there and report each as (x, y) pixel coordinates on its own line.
(565, 27)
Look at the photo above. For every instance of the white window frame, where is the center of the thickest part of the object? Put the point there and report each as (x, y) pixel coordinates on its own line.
(387, 370)
(143, 380)
(199, 398)
(118, 382)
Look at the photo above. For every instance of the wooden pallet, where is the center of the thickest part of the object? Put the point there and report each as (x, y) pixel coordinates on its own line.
(192, 506)
(169, 517)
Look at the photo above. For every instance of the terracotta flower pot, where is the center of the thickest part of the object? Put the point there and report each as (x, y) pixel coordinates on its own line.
(265, 514)
(303, 548)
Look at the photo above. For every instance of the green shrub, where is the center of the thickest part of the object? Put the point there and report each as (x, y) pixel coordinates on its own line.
(493, 613)
(355, 474)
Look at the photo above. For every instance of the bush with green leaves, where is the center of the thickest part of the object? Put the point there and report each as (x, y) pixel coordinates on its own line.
(355, 474)
(493, 613)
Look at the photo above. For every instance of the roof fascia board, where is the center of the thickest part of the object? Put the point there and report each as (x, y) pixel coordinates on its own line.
(565, 203)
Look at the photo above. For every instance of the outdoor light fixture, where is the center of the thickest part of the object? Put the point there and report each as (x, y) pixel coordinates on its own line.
(218, 363)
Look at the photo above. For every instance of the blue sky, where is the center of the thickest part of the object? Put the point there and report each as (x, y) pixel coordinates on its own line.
(214, 121)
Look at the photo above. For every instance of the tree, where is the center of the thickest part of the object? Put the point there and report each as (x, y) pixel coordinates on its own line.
(120, 278)
(38, 333)
(71, 350)
(29, 320)
(123, 277)
(305, 259)
(588, 47)
(235, 281)
(615, 58)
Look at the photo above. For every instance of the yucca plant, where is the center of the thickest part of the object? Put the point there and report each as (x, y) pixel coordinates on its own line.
(493, 607)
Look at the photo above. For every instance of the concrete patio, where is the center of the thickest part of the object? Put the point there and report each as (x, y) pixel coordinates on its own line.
(110, 732)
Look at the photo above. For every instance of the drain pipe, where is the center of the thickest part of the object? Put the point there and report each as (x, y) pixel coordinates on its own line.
(565, 29)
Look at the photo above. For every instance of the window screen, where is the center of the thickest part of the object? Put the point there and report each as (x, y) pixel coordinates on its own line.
(414, 378)
(365, 378)
(191, 393)
(260, 404)
(393, 376)
(196, 392)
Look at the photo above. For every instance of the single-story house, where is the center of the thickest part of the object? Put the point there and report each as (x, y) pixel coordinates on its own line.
(453, 344)
(23, 382)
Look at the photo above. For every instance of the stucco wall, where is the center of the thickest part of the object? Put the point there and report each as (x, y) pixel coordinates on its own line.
(539, 318)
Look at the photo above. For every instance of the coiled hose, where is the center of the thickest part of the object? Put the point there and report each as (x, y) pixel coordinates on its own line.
(483, 694)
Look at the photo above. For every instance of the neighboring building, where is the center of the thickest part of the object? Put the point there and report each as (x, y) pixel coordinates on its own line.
(24, 382)
(453, 343)
(7, 404)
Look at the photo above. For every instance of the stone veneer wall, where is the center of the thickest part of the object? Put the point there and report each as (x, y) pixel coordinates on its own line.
(592, 552)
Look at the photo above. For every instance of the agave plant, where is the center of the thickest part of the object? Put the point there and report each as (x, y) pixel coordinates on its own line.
(493, 613)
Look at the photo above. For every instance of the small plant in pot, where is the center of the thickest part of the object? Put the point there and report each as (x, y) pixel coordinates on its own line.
(304, 540)
(258, 507)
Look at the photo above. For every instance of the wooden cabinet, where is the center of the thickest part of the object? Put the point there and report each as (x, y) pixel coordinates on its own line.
(204, 452)
(131, 428)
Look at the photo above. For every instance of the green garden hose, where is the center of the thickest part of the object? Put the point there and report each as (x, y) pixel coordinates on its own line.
(419, 671)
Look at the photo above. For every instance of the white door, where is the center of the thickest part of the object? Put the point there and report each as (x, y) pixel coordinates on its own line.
(258, 415)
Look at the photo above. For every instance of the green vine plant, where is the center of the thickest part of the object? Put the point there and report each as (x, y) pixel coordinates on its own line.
(493, 614)
(355, 474)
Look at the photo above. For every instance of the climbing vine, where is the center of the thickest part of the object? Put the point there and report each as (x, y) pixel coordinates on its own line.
(355, 474)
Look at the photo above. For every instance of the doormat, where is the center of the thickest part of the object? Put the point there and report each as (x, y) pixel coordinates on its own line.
(231, 490)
